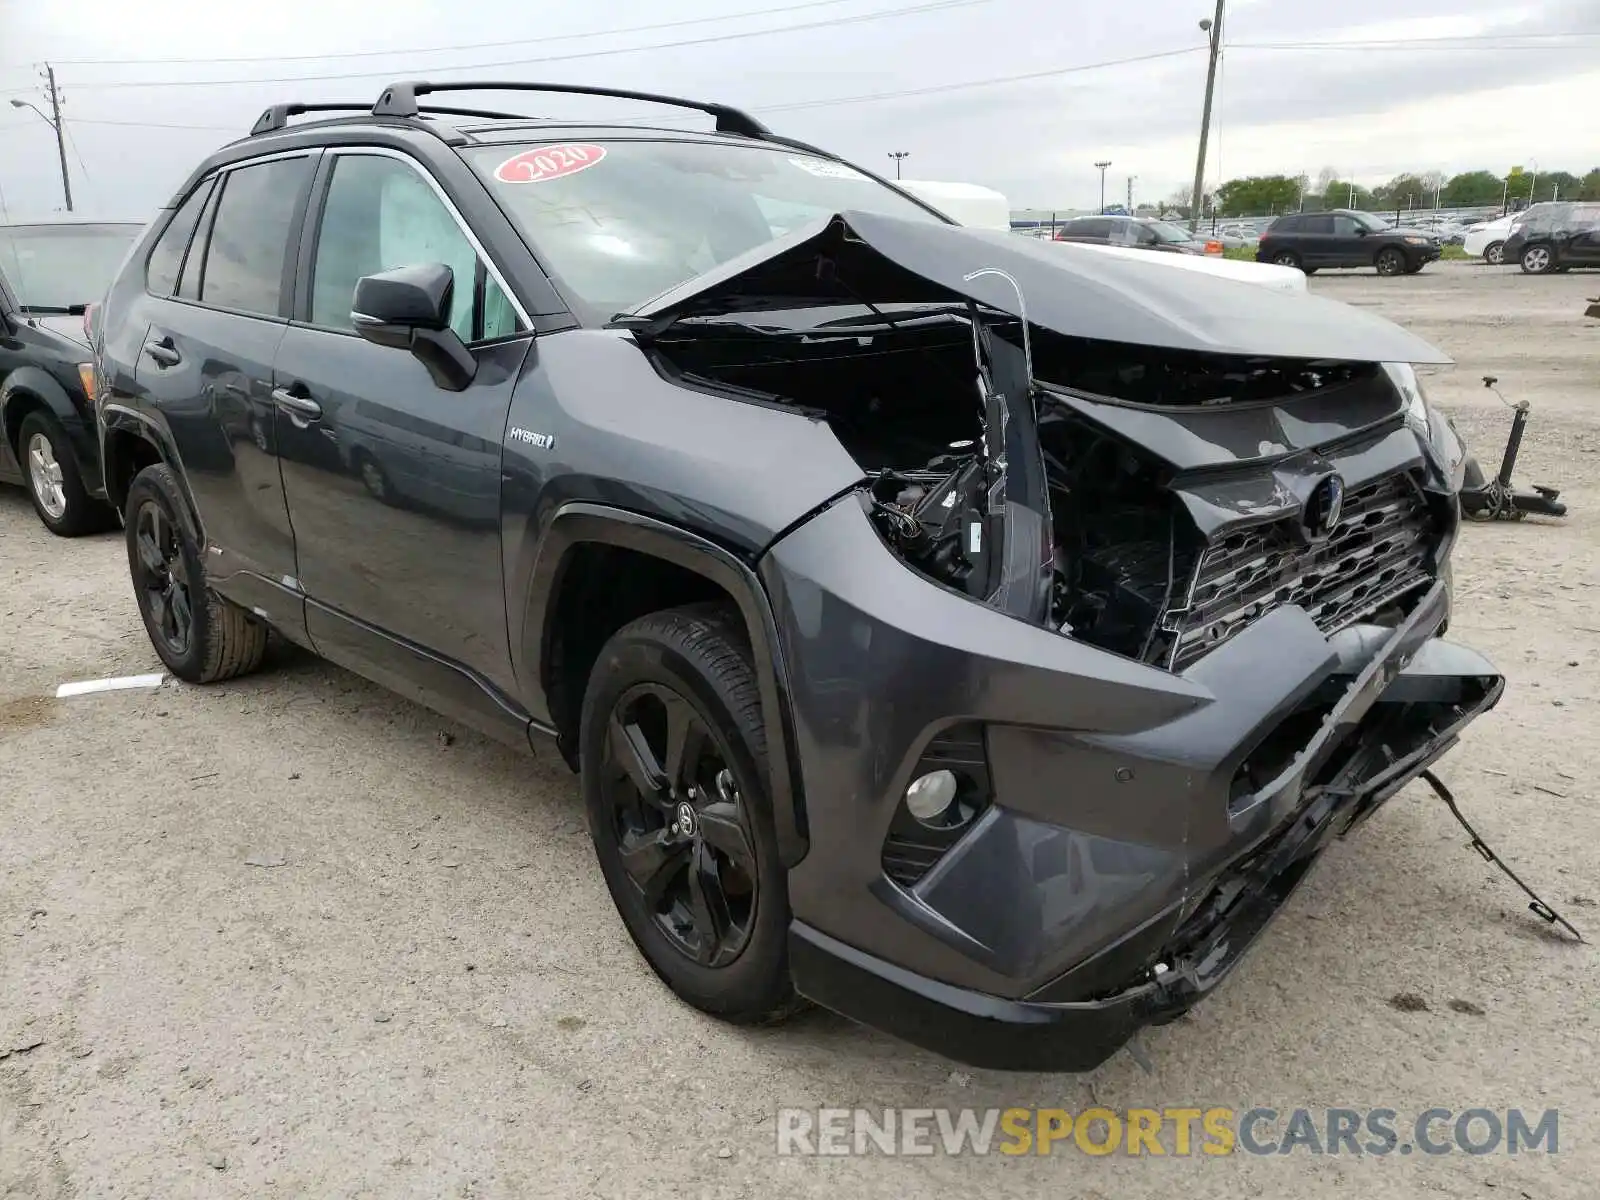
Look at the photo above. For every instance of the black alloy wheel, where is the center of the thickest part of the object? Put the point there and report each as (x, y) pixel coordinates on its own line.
(1287, 258)
(672, 748)
(161, 579)
(1391, 262)
(677, 818)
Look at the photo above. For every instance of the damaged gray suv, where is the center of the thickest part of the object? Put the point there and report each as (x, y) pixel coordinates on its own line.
(976, 636)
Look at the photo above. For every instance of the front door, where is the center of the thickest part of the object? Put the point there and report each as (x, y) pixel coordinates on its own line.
(393, 482)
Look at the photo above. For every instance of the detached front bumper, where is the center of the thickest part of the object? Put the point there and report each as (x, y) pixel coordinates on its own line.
(1145, 826)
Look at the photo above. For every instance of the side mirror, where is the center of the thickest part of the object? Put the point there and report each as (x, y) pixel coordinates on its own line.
(1362, 231)
(408, 308)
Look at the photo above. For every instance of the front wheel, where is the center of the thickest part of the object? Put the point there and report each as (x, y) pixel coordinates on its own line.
(673, 758)
(54, 485)
(1537, 260)
(1494, 253)
(201, 637)
(1391, 262)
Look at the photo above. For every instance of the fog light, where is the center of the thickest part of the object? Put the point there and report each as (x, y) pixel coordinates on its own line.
(930, 795)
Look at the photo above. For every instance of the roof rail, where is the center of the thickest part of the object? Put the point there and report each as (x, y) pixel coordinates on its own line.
(277, 117)
(400, 100)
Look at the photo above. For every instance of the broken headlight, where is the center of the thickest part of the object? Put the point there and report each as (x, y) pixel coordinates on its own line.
(1433, 428)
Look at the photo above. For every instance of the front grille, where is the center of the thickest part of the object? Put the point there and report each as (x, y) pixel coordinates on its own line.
(1376, 554)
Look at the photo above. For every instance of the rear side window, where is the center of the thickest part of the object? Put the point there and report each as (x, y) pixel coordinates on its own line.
(166, 259)
(244, 262)
(1093, 228)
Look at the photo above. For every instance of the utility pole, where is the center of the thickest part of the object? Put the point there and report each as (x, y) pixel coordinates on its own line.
(1213, 30)
(61, 136)
(1103, 166)
(1131, 178)
(54, 121)
(899, 156)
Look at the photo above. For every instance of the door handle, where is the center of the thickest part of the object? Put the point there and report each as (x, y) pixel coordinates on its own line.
(303, 407)
(164, 352)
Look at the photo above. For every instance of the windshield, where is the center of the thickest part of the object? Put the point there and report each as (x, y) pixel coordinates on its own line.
(622, 221)
(1165, 231)
(1369, 222)
(57, 266)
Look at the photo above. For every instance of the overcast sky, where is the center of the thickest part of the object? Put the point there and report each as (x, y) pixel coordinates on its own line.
(1366, 110)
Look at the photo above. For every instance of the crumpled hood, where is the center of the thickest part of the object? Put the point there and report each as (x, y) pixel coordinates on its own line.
(1067, 289)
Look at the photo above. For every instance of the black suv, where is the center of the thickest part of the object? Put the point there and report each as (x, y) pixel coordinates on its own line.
(50, 272)
(1555, 237)
(976, 636)
(1345, 238)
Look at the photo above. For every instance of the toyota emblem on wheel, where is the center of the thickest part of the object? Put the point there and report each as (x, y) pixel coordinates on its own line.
(1323, 508)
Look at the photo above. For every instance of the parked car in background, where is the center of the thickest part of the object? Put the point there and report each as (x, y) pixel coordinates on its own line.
(880, 578)
(50, 273)
(1555, 237)
(1345, 238)
(1138, 233)
(1487, 239)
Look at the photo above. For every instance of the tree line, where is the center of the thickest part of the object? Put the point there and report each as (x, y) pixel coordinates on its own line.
(1261, 195)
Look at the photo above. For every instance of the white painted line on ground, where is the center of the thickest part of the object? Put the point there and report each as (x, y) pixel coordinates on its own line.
(118, 684)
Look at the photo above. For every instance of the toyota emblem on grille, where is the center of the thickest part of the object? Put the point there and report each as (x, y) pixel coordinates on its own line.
(1320, 516)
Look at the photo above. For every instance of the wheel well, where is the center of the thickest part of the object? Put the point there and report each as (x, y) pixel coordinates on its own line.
(600, 589)
(126, 454)
(22, 403)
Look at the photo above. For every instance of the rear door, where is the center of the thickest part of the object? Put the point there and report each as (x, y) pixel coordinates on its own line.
(1314, 237)
(393, 483)
(1087, 229)
(205, 366)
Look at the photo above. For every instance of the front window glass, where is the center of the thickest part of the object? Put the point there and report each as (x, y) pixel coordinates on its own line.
(53, 267)
(622, 221)
(1165, 231)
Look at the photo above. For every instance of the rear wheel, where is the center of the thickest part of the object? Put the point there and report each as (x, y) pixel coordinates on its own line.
(54, 485)
(201, 637)
(1537, 260)
(673, 757)
(1390, 262)
(1288, 258)
(1494, 253)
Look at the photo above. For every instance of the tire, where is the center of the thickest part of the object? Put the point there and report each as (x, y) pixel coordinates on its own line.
(201, 637)
(1494, 253)
(1537, 259)
(374, 478)
(689, 668)
(1390, 261)
(1288, 258)
(50, 473)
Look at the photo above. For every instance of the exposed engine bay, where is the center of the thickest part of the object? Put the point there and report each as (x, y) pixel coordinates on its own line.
(1028, 496)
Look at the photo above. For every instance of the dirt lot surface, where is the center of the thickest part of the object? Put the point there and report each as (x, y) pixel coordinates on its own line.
(293, 936)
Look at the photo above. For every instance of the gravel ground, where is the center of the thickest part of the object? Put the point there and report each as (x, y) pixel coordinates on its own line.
(294, 936)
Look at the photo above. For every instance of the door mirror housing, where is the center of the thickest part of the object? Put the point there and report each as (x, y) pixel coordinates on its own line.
(1362, 231)
(408, 308)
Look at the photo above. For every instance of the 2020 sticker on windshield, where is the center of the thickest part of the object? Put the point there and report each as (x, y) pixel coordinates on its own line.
(549, 162)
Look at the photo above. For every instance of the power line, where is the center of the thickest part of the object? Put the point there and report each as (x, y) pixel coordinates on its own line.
(407, 50)
(876, 15)
(1493, 43)
(976, 83)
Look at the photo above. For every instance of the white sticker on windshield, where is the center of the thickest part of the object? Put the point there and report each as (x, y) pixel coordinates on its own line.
(823, 169)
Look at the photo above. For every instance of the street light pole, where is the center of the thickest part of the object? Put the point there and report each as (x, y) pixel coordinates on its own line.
(898, 156)
(1213, 30)
(55, 124)
(1103, 166)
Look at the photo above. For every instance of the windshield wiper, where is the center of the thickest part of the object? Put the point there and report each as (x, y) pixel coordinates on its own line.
(53, 310)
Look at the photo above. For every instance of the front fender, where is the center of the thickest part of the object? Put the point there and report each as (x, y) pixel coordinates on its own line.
(581, 522)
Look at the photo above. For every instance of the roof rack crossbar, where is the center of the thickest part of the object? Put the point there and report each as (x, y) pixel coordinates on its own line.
(277, 117)
(400, 100)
